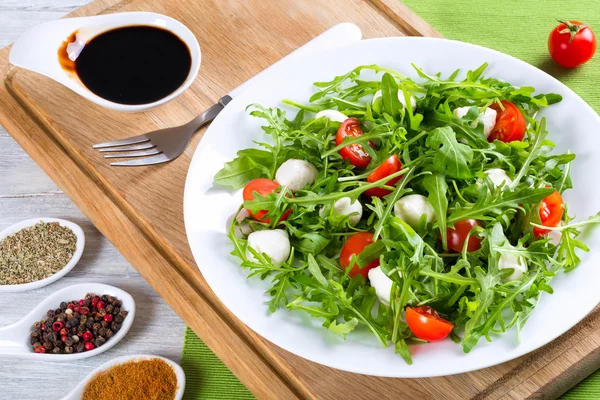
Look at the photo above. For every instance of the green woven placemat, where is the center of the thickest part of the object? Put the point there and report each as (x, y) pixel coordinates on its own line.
(207, 378)
(516, 27)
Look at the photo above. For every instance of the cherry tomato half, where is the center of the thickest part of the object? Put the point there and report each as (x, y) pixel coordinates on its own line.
(353, 152)
(551, 211)
(571, 43)
(510, 123)
(389, 166)
(458, 235)
(427, 324)
(264, 187)
(355, 245)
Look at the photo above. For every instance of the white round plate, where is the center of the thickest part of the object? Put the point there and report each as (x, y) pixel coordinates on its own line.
(572, 125)
(80, 245)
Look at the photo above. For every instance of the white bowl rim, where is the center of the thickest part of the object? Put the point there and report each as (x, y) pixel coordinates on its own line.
(80, 246)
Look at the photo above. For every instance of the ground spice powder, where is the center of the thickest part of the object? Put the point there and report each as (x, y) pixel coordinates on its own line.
(151, 379)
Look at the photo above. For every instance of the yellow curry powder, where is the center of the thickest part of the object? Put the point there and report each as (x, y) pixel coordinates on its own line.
(151, 379)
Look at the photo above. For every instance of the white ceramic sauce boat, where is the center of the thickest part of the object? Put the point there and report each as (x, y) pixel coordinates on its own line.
(52, 278)
(37, 50)
(77, 393)
(14, 339)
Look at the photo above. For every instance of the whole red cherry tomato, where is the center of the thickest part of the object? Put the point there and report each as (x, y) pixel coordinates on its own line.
(551, 211)
(427, 324)
(354, 152)
(458, 235)
(389, 166)
(355, 245)
(571, 43)
(510, 123)
(264, 187)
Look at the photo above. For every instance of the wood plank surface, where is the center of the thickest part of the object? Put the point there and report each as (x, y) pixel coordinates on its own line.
(27, 192)
(140, 210)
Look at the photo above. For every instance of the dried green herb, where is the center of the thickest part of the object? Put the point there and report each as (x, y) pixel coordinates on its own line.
(35, 253)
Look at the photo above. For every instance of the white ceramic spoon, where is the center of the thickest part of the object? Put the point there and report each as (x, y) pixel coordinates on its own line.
(14, 339)
(53, 278)
(37, 50)
(77, 393)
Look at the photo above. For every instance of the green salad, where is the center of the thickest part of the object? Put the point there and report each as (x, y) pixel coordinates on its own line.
(417, 209)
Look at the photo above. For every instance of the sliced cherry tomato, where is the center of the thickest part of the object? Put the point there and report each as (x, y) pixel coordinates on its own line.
(354, 152)
(571, 43)
(264, 187)
(355, 245)
(389, 166)
(510, 123)
(551, 211)
(458, 235)
(427, 324)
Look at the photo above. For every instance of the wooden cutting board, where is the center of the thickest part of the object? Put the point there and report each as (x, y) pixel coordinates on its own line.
(140, 209)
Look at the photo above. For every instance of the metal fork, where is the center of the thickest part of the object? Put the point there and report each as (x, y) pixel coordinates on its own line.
(159, 146)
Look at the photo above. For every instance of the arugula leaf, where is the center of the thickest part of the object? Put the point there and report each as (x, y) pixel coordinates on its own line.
(451, 157)
(437, 188)
(389, 95)
(248, 165)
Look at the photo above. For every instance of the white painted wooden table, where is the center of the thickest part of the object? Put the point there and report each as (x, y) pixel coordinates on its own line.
(26, 192)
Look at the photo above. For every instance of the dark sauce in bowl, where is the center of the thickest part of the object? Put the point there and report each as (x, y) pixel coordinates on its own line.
(134, 64)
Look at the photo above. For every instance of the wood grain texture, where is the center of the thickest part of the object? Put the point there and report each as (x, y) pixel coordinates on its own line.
(140, 210)
(27, 192)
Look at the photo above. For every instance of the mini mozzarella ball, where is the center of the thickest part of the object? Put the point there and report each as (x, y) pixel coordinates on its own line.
(296, 174)
(555, 236)
(518, 263)
(410, 208)
(241, 229)
(344, 206)
(413, 101)
(332, 115)
(382, 284)
(487, 118)
(275, 243)
(498, 177)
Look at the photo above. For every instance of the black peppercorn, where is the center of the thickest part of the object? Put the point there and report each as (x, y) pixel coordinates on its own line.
(75, 324)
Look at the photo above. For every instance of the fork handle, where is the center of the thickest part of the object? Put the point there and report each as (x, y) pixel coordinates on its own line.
(208, 115)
